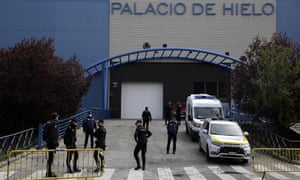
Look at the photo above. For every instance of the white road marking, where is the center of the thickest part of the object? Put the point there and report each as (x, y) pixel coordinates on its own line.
(135, 174)
(220, 173)
(246, 173)
(165, 174)
(193, 173)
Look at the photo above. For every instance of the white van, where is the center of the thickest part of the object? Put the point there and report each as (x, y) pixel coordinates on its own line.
(198, 108)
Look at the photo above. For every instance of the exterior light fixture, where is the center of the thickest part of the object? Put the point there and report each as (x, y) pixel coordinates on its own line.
(146, 45)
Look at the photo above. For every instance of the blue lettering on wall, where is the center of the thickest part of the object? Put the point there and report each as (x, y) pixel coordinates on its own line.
(245, 9)
(268, 9)
(115, 6)
(126, 9)
(150, 9)
(162, 8)
(209, 7)
(178, 7)
(136, 12)
(195, 9)
(248, 9)
(227, 8)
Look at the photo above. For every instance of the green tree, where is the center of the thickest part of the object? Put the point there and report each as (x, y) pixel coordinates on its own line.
(268, 83)
(35, 82)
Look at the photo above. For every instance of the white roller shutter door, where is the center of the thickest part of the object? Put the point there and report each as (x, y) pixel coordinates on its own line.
(135, 96)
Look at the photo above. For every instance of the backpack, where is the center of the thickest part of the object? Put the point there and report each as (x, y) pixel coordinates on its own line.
(172, 128)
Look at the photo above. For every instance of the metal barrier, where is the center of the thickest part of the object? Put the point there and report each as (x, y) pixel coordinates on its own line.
(262, 135)
(265, 160)
(32, 164)
(22, 139)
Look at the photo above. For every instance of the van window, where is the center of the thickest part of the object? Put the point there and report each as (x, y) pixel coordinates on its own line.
(208, 112)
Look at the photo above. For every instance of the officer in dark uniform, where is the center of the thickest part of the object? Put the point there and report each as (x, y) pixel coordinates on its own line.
(88, 128)
(172, 128)
(100, 135)
(70, 142)
(146, 115)
(141, 136)
(50, 135)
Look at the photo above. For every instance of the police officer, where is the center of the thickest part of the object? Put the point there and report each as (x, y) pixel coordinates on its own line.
(100, 135)
(146, 115)
(141, 136)
(50, 135)
(70, 142)
(172, 128)
(88, 128)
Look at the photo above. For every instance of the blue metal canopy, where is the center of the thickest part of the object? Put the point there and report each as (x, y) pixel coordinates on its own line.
(200, 55)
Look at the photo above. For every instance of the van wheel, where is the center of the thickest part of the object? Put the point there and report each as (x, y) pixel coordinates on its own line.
(245, 161)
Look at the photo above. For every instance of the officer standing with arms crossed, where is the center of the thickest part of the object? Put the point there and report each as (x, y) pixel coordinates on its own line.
(50, 135)
(70, 142)
(141, 136)
(100, 136)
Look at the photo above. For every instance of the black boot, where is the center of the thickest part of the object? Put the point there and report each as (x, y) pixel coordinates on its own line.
(49, 173)
(137, 168)
(143, 168)
(97, 168)
(69, 170)
(75, 168)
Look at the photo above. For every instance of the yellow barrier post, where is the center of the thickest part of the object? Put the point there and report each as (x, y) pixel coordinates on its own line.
(265, 160)
(31, 164)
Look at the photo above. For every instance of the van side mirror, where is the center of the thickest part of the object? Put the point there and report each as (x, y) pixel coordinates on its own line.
(246, 133)
(204, 131)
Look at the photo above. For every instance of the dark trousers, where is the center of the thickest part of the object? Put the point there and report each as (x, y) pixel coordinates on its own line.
(89, 133)
(101, 156)
(69, 158)
(178, 118)
(167, 119)
(50, 161)
(170, 138)
(140, 147)
(146, 124)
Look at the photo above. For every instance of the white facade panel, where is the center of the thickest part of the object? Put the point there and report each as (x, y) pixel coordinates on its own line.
(216, 25)
(136, 96)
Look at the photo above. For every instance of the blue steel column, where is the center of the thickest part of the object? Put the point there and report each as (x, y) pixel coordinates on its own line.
(105, 85)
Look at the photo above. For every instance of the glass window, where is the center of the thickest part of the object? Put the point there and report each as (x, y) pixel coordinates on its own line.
(226, 129)
(208, 112)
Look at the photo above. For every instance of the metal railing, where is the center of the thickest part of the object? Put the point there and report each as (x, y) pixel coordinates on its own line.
(32, 164)
(265, 160)
(260, 135)
(22, 140)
